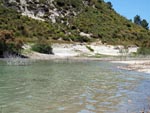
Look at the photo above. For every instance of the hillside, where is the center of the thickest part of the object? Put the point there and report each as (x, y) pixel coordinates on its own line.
(69, 20)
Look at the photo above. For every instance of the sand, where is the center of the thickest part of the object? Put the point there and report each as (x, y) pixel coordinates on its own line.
(80, 51)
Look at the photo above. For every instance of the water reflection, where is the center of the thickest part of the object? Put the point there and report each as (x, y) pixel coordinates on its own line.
(71, 87)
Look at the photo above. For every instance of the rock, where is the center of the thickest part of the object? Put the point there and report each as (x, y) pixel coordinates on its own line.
(85, 34)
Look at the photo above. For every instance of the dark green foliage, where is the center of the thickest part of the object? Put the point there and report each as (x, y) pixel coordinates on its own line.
(109, 5)
(144, 24)
(144, 50)
(68, 4)
(139, 21)
(42, 47)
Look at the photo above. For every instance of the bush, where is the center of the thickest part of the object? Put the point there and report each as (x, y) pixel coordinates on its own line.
(144, 50)
(77, 4)
(42, 47)
(82, 39)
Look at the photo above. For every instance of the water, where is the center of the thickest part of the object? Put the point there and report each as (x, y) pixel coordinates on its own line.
(72, 87)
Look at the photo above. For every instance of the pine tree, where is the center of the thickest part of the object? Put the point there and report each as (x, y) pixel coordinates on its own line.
(144, 24)
(137, 20)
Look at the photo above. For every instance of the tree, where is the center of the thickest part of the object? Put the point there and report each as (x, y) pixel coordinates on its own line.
(144, 24)
(109, 5)
(137, 20)
(8, 44)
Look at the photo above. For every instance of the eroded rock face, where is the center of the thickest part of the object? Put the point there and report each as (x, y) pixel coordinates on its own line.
(43, 9)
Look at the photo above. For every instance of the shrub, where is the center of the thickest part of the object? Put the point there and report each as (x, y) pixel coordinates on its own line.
(82, 39)
(67, 3)
(144, 50)
(42, 47)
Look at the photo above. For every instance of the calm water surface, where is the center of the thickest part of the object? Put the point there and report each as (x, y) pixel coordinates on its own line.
(72, 87)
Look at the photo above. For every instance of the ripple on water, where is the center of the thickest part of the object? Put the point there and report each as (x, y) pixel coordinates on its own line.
(53, 87)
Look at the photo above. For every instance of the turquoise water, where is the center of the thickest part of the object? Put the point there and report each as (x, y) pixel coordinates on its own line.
(72, 87)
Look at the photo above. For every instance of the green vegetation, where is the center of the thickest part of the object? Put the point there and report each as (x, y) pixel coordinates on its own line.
(23, 26)
(143, 23)
(144, 51)
(76, 4)
(93, 17)
(42, 47)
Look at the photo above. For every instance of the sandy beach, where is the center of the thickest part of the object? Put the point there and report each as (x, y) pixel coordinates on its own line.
(81, 50)
(98, 52)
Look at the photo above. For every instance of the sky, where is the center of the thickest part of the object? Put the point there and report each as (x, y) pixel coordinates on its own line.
(131, 8)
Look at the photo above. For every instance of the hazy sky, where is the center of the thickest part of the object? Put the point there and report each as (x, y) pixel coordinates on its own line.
(130, 8)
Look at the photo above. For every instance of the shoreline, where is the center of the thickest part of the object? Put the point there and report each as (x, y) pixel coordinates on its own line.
(131, 64)
(92, 52)
(135, 65)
